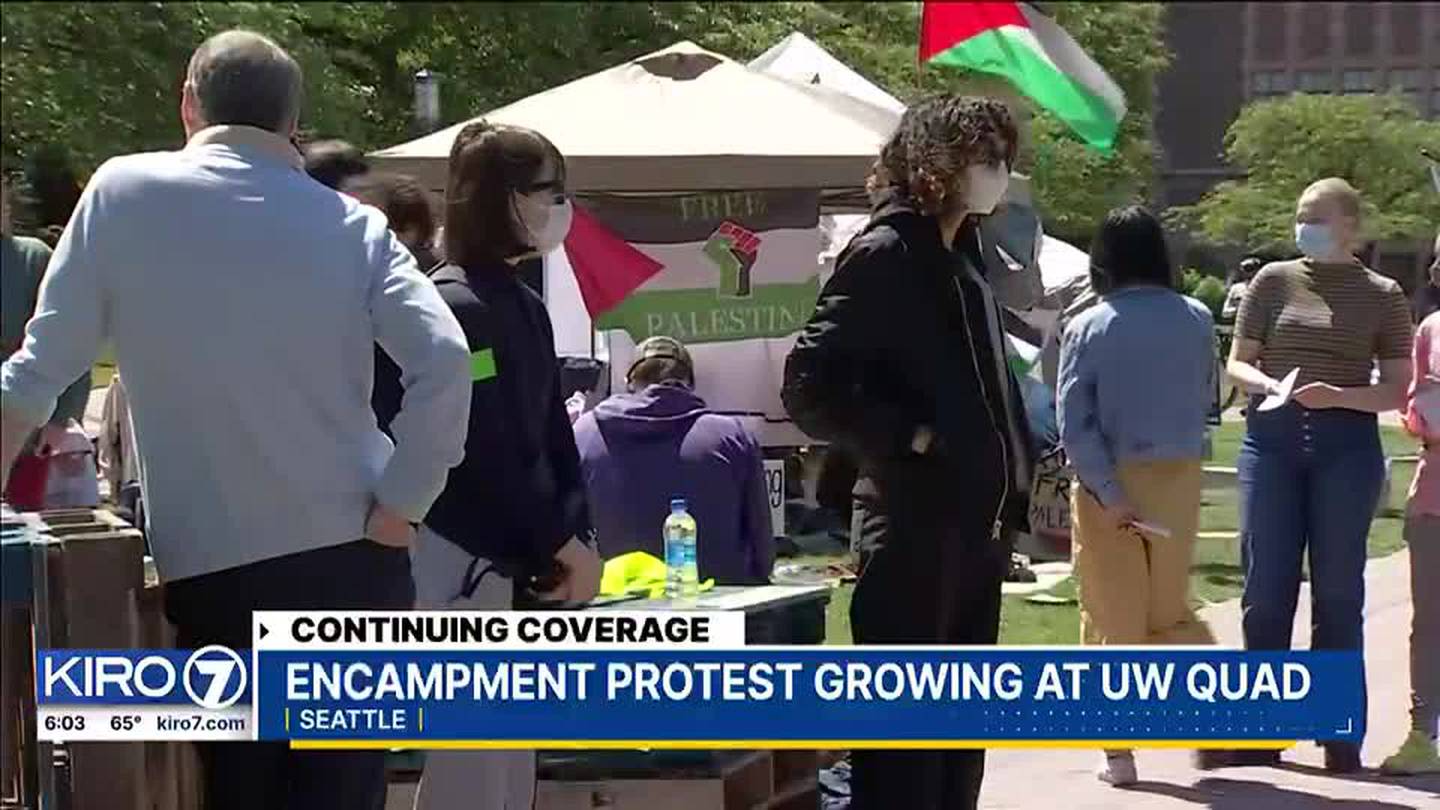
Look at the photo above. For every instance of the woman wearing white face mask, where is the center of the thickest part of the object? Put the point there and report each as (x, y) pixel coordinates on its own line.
(1311, 470)
(513, 520)
(903, 366)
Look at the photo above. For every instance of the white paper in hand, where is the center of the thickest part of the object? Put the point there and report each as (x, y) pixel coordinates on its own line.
(1152, 529)
(1282, 396)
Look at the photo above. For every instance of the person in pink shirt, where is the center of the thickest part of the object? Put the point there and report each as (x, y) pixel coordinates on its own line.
(1422, 535)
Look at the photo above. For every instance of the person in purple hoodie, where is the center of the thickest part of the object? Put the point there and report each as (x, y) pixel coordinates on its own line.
(659, 441)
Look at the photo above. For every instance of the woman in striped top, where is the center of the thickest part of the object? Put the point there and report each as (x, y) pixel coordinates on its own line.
(1311, 471)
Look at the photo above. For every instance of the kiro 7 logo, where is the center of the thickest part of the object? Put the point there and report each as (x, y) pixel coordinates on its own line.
(224, 668)
(213, 677)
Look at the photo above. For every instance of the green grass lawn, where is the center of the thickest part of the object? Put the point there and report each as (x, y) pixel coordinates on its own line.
(1215, 575)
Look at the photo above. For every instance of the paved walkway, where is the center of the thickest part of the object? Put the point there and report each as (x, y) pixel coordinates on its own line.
(1065, 780)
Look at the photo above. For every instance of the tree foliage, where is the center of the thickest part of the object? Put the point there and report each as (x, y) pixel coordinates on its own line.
(98, 79)
(1283, 145)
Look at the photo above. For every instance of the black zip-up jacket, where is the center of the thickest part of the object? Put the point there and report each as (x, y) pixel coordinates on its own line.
(518, 496)
(900, 340)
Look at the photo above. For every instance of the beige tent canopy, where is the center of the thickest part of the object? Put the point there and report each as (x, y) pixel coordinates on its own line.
(684, 119)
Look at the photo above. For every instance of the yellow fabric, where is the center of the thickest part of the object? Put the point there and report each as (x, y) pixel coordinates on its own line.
(637, 571)
(1135, 589)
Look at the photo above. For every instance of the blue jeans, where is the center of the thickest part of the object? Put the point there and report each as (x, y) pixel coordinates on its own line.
(1309, 482)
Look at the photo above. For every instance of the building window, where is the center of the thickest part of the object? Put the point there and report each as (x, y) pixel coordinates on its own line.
(1359, 29)
(1269, 83)
(1315, 81)
(1358, 81)
(1314, 30)
(1405, 28)
(1270, 32)
(1407, 79)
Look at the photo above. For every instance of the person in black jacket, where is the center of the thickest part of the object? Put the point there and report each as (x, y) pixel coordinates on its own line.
(513, 515)
(903, 366)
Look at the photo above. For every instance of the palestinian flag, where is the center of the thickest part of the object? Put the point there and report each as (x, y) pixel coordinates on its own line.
(1037, 56)
(606, 267)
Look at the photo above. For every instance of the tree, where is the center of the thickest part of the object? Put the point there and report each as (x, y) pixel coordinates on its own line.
(1283, 145)
(100, 79)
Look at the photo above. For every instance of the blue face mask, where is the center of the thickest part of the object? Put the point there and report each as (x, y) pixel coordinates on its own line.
(1315, 240)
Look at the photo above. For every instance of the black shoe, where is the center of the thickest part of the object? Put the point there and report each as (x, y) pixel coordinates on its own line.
(1019, 570)
(1343, 758)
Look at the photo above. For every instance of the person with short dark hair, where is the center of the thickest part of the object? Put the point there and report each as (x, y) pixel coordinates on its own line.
(244, 335)
(904, 365)
(659, 441)
(1136, 371)
(332, 162)
(1239, 283)
(513, 521)
(406, 204)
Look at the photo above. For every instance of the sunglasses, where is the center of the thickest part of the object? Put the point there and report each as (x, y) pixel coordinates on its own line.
(556, 189)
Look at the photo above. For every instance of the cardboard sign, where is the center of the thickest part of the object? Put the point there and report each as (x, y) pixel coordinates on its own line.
(1050, 496)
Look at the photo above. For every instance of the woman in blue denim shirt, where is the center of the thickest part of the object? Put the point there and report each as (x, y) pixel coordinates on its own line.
(1136, 372)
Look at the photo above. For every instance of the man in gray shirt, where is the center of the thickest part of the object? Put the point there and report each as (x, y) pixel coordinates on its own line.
(244, 300)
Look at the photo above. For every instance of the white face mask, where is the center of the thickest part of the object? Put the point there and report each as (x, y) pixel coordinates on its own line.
(985, 187)
(542, 222)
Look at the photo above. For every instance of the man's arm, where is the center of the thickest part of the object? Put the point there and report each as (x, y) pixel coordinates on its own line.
(64, 335)
(419, 332)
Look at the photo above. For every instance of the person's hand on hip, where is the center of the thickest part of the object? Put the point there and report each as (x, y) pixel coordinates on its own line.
(1121, 515)
(388, 528)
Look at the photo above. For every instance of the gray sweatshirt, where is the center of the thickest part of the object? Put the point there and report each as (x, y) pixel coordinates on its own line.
(244, 301)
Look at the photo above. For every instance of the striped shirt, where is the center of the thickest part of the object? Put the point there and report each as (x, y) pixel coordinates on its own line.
(1332, 321)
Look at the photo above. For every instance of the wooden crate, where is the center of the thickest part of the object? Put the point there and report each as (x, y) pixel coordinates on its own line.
(754, 780)
(738, 782)
(93, 583)
(93, 574)
(172, 769)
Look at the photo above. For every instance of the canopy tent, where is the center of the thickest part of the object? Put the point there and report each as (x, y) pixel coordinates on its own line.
(684, 119)
(717, 140)
(799, 59)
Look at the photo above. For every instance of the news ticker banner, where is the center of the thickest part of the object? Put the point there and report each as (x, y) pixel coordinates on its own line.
(601, 679)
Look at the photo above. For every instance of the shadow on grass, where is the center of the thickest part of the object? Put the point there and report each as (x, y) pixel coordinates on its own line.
(1427, 783)
(1224, 575)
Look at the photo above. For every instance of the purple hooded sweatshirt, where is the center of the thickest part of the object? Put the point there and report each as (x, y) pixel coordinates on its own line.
(639, 450)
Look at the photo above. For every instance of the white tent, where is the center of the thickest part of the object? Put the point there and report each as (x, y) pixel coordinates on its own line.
(799, 59)
(684, 120)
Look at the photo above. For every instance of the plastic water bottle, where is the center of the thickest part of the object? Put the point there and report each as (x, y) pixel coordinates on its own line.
(682, 575)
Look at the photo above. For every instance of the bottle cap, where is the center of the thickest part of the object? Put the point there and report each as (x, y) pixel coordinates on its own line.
(677, 504)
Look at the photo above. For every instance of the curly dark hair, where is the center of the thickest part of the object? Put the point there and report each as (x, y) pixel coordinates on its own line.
(924, 162)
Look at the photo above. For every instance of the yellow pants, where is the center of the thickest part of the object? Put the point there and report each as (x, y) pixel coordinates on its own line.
(1134, 588)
